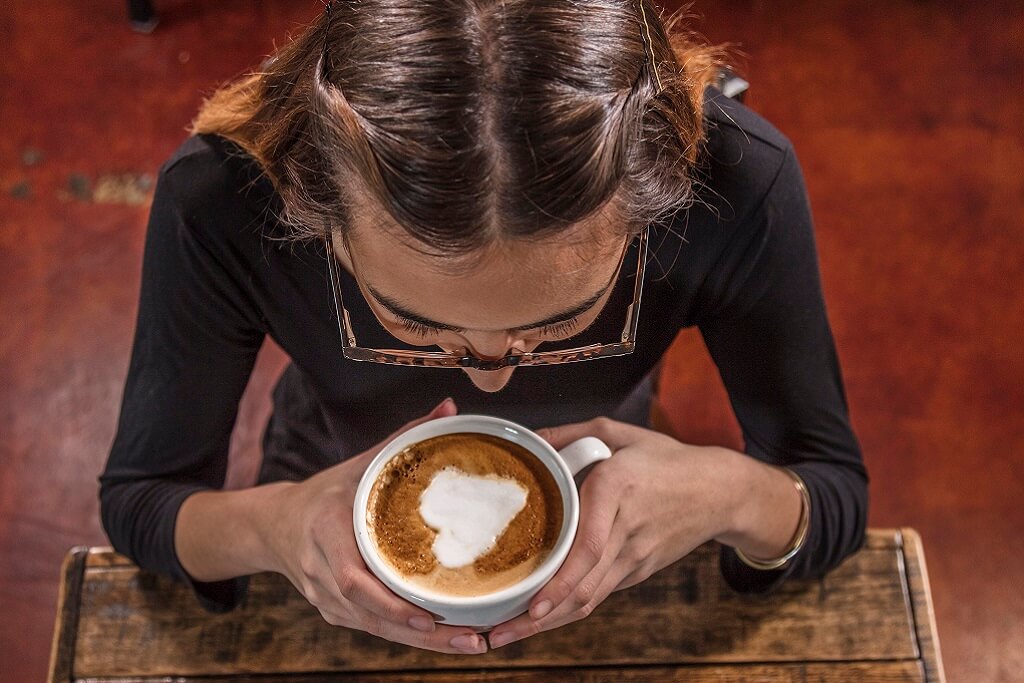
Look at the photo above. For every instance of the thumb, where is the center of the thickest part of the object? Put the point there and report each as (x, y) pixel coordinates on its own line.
(562, 435)
(616, 435)
(445, 408)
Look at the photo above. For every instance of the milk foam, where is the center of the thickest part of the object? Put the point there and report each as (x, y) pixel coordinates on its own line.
(469, 513)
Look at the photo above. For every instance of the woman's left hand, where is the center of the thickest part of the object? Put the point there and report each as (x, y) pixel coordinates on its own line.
(650, 504)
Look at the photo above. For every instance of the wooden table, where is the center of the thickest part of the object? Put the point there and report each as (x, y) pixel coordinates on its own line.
(869, 620)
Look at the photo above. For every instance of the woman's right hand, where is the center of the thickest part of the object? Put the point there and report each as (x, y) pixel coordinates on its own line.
(309, 532)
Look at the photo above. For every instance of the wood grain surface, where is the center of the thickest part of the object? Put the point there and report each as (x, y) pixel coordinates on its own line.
(858, 623)
(65, 632)
(842, 672)
(921, 602)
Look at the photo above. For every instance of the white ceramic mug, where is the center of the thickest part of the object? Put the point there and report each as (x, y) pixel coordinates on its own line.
(482, 611)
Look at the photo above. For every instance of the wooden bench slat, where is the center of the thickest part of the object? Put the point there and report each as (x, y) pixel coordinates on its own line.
(65, 633)
(97, 558)
(844, 672)
(685, 614)
(926, 630)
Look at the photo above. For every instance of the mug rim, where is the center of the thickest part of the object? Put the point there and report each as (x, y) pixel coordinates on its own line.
(425, 597)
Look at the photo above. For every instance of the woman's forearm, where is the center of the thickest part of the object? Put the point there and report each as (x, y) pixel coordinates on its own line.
(765, 507)
(223, 534)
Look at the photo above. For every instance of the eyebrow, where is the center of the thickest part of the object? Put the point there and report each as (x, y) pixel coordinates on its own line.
(401, 311)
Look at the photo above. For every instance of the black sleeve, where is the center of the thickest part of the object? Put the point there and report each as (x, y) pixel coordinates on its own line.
(196, 339)
(768, 333)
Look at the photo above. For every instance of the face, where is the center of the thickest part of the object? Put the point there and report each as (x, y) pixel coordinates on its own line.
(513, 295)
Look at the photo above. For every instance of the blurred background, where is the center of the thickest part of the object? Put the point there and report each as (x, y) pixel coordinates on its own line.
(906, 115)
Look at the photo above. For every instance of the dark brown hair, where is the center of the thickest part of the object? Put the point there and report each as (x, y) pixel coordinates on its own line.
(472, 120)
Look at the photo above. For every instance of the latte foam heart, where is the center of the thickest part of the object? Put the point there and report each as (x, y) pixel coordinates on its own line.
(469, 513)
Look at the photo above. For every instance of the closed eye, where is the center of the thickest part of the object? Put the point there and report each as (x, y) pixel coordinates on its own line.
(560, 328)
(417, 328)
(553, 330)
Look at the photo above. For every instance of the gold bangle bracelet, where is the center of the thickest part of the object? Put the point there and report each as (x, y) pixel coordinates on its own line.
(801, 533)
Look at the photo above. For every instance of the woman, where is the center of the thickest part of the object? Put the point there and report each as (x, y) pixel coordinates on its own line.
(486, 178)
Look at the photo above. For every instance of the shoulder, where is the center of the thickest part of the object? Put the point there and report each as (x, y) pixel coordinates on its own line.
(215, 185)
(731, 118)
(212, 158)
(742, 158)
(745, 178)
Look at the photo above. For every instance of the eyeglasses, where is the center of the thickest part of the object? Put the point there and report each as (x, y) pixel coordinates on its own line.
(437, 359)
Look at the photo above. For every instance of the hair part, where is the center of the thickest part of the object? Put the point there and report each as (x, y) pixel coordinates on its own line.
(470, 121)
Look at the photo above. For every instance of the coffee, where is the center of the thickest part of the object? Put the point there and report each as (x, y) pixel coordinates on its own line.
(464, 514)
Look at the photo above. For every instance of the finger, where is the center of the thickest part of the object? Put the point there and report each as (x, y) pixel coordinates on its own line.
(588, 590)
(589, 593)
(380, 612)
(447, 639)
(456, 640)
(609, 580)
(362, 588)
(597, 519)
(617, 435)
(353, 580)
(631, 579)
(515, 629)
(638, 575)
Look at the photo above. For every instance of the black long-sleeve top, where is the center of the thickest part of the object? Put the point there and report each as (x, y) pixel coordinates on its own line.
(217, 277)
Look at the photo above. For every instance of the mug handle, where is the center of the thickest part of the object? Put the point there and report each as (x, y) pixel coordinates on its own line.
(584, 452)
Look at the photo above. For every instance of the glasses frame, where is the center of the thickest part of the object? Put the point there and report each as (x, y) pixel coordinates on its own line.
(442, 359)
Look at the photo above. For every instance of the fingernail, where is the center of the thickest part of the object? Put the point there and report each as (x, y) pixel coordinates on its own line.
(469, 643)
(421, 623)
(541, 609)
(503, 638)
(444, 405)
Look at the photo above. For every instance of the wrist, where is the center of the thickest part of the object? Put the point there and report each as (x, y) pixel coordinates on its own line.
(780, 559)
(270, 511)
(737, 487)
(223, 534)
(767, 509)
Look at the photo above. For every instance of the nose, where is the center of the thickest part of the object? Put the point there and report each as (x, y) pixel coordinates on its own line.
(489, 345)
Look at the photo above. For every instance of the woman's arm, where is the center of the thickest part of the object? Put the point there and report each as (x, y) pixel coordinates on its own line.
(656, 499)
(196, 339)
(222, 534)
(650, 504)
(765, 507)
(766, 328)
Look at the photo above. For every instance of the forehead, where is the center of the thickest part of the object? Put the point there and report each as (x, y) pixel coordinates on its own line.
(508, 284)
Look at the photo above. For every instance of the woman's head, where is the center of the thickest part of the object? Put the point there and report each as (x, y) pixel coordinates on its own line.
(466, 129)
